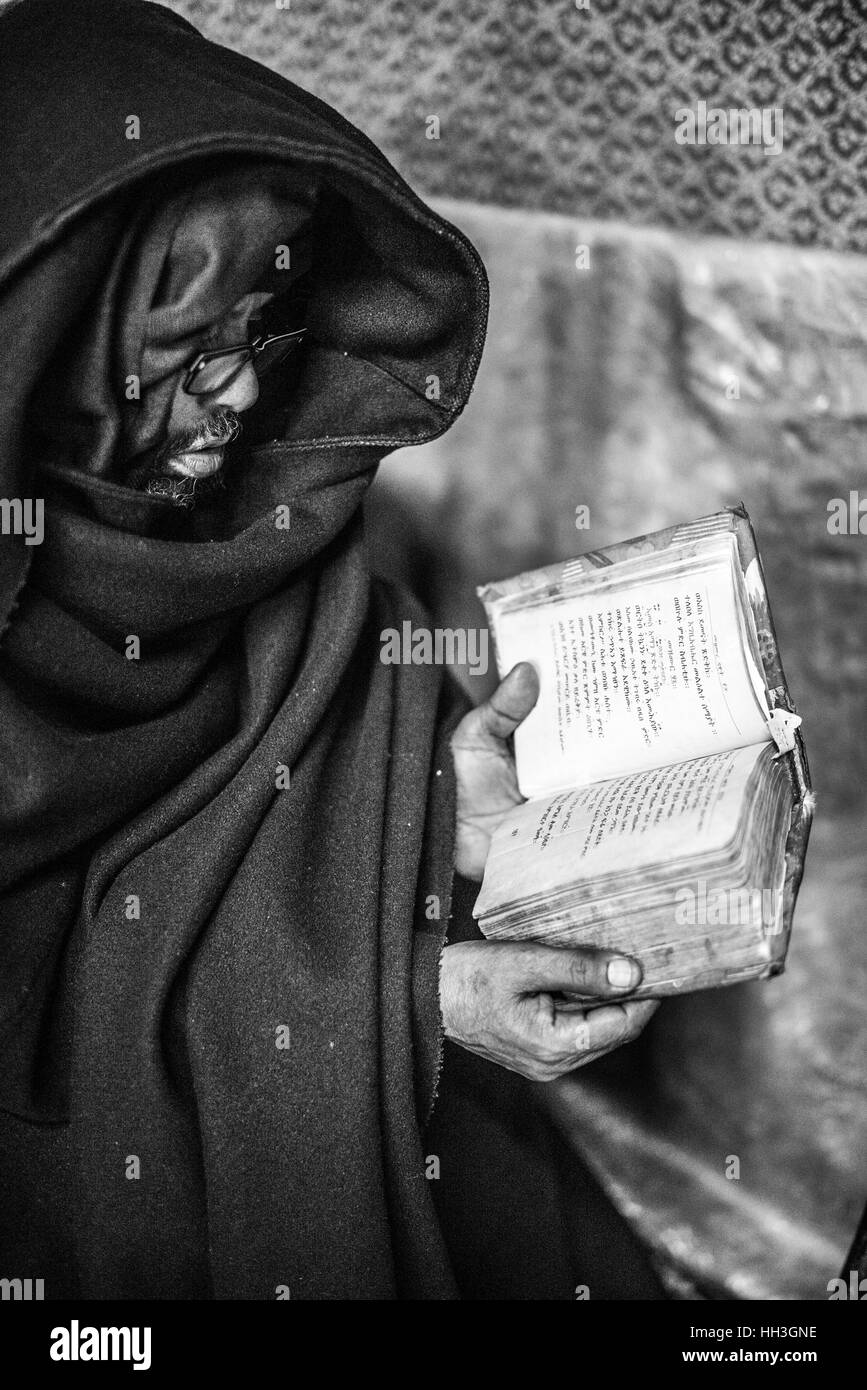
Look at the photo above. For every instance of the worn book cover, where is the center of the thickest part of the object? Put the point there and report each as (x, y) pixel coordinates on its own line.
(668, 793)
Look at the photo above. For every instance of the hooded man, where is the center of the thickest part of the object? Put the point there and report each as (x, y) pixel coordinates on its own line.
(233, 840)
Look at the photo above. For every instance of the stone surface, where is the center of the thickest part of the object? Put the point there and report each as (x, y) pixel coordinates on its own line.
(543, 104)
(613, 387)
(771, 1074)
(607, 387)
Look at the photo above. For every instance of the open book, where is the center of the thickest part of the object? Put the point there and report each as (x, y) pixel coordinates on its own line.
(669, 799)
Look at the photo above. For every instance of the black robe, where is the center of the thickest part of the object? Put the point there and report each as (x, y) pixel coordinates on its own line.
(218, 996)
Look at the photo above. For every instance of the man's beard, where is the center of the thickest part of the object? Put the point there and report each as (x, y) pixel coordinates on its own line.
(184, 491)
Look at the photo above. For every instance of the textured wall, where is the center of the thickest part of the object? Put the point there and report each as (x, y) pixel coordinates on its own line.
(672, 376)
(613, 387)
(545, 105)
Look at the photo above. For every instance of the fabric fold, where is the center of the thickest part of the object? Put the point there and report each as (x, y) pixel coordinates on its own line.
(221, 815)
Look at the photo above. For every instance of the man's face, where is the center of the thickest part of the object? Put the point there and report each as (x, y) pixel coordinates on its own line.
(200, 426)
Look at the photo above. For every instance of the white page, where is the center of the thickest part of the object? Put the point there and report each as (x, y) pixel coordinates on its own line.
(634, 675)
(648, 818)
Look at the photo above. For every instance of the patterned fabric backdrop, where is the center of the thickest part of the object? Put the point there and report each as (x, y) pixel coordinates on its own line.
(542, 104)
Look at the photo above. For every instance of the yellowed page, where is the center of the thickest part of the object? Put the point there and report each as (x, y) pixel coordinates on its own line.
(634, 675)
(650, 818)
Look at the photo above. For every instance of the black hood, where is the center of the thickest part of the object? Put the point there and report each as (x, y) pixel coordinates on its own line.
(399, 303)
(219, 809)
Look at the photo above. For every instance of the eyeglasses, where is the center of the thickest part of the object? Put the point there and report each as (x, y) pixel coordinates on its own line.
(214, 371)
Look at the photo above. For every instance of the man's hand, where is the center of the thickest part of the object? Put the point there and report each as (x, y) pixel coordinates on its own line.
(504, 1001)
(487, 787)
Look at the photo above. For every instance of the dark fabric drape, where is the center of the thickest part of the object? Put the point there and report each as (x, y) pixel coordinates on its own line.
(218, 984)
(226, 863)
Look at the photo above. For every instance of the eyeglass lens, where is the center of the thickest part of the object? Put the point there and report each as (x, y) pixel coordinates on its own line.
(216, 373)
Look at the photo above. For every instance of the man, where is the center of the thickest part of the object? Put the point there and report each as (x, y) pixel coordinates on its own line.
(232, 837)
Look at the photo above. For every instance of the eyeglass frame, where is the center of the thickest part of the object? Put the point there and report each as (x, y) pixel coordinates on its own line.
(251, 350)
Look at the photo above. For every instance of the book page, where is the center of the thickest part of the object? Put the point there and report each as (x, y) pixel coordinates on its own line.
(634, 674)
(657, 817)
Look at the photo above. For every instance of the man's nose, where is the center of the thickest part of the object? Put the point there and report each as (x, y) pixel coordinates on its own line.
(241, 393)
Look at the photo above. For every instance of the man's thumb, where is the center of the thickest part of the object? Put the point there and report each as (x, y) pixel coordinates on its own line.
(511, 702)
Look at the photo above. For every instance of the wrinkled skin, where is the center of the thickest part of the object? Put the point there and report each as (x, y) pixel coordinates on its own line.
(504, 1000)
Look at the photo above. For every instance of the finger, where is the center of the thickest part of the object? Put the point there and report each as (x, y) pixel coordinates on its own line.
(581, 970)
(496, 719)
(600, 1030)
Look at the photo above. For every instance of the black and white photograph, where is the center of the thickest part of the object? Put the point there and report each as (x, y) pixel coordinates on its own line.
(433, 670)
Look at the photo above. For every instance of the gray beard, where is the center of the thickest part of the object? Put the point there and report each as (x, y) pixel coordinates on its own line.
(187, 492)
(184, 492)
